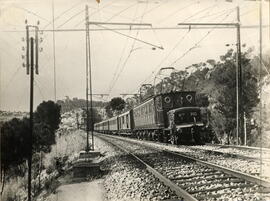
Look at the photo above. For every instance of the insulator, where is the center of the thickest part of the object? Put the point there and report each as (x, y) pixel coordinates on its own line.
(38, 22)
(23, 56)
(24, 65)
(41, 40)
(23, 39)
(23, 48)
(41, 32)
(40, 49)
(25, 21)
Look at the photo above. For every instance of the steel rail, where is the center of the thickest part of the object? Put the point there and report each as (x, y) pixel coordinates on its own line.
(238, 174)
(230, 154)
(174, 187)
(240, 147)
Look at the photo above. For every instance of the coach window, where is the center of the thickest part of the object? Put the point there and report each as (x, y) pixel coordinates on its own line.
(127, 121)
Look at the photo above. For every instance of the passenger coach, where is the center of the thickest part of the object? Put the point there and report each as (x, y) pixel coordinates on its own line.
(172, 117)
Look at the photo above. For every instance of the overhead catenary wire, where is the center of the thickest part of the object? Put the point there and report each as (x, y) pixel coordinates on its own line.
(216, 14)
(151, 10)
(177, 11)
(121, 11)
(113, 30)
(176, 45)
(197, 43)
(12, 77)
(200, 11)
(93, 13)
(120, 59)
(125, 62)
(39, 89)
(61, 14)
(171, 50)
(152, 73)
(32, 13)
(73, 16)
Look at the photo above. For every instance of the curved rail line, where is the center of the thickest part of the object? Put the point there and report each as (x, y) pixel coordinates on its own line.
(178, 191)
(233, 155)
(217, 171)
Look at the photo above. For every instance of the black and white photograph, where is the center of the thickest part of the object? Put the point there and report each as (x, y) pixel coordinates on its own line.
(135, 100)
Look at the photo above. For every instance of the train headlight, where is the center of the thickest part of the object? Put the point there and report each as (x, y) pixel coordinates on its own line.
(167, 99)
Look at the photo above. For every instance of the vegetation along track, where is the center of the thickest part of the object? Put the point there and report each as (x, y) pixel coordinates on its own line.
(192, 178)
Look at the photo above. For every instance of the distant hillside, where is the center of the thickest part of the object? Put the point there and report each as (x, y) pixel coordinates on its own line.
(75, 103)
(6, 115)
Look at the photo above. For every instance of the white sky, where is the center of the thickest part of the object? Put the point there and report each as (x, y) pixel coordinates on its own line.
(109, 49)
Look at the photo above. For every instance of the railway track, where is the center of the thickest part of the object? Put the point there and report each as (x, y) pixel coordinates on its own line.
(240, 147)
(231, 154)
(249, 161)
(191, 178)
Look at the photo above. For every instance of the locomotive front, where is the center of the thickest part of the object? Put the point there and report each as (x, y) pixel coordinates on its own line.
(185, 125)
(180, 117)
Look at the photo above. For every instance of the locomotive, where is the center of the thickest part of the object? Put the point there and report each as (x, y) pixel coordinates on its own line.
(170, 117)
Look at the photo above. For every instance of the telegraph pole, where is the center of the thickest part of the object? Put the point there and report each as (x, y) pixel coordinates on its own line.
(31, 63)
(54, 67)
(0, 81)
(87, 75)
(31, 113)
(90, 80)
(89, 83)
(239, 80)
(239, 73)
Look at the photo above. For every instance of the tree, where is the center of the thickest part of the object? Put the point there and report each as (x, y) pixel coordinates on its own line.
(14, 144)
(48, 112)
(96, 117)
(108, 110)
(224, 78)
(76, 103)
(215, 84)
(117, 104)
(43, 137)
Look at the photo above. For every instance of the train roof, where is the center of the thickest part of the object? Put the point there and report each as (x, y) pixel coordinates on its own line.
(125, 113)
(112, 118)
(147, 100)
(104, 121)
